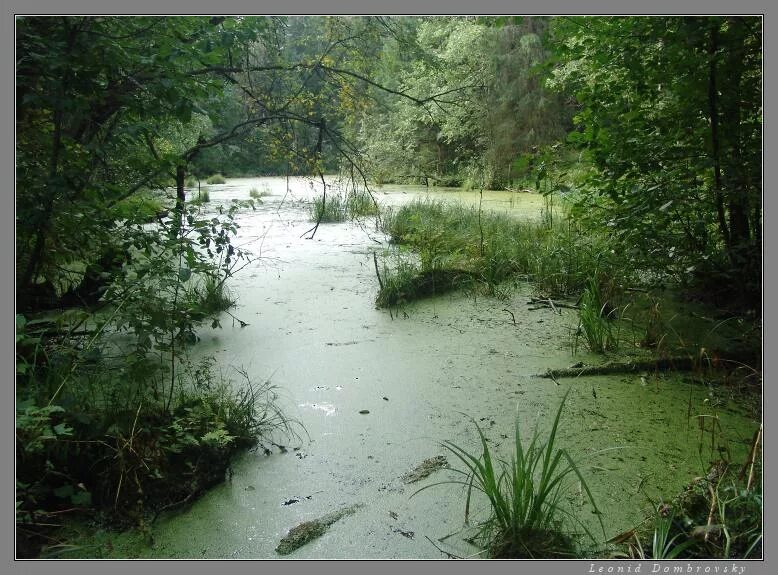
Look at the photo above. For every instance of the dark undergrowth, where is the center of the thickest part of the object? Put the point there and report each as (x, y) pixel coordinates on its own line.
(122, 444)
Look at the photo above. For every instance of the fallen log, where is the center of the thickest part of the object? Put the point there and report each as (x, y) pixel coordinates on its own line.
(615, 367)
(548, 302)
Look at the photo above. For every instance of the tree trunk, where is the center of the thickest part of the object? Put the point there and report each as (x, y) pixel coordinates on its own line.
(714, 134)
(180, 199)
(735, 181)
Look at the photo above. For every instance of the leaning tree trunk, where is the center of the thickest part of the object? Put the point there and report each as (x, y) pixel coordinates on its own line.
(713, 112)
(180, 199)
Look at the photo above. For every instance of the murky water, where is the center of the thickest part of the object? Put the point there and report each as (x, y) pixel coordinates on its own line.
(378, 394)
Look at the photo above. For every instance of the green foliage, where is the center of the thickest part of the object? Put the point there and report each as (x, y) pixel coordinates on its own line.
(142, 207)
(525, 494)
(215, 179)
(670, 116)
(90, 137)
(494, 107)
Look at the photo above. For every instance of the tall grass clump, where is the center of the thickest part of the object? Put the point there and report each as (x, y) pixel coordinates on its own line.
(526, 495)
(596, 319)
(328, 209)
(212, 296)
(257, 194)
(360, 204)
(203, 196)
(339, 208)
(216, 179)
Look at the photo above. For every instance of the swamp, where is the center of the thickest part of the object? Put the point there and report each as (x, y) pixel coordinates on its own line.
(389, 288)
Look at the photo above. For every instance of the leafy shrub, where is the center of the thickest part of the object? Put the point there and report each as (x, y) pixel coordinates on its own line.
(109, 417)
(142, 206)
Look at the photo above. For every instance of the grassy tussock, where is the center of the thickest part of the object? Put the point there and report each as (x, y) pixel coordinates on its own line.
(203, 196)
(596, 319)
(216, 179)
(493, 248)
(339, 208)
(257, 194)
(526, 495)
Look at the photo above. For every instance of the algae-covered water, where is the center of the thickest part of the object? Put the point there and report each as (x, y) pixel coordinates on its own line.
(377, 394)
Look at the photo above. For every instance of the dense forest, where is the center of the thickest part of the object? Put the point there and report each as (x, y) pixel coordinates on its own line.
(642, 134)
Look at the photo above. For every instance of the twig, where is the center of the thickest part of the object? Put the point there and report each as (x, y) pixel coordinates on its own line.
(548, 302)
(174, 504)
(378, 275)
(710, 513)
(450, 555)
(752, 459)
(551, 303)
(240, 321)
(513, 317)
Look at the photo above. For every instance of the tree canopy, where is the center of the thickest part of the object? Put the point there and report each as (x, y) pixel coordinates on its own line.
(665, 113)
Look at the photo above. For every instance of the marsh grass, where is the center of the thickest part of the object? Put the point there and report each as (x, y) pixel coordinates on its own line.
(596, 320)
(407, 282)
(528, 518)
(360, 204)
(495, 248)
(203, 196)
(328, 209)
(340, 208)
(213, 296)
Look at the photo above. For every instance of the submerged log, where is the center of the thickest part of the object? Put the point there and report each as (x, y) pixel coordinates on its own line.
(553, 304)
(615, 367)
(424, 284)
